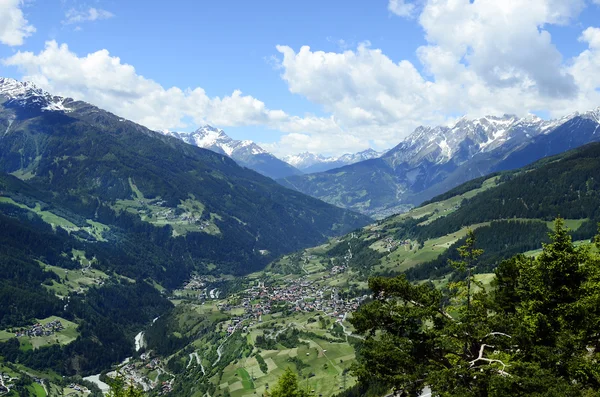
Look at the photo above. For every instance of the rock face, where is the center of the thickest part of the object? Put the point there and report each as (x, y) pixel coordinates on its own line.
(435, 159)
(245, 153)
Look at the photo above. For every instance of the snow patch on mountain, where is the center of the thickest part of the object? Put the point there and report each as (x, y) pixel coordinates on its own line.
(468, 137)
(305, 160)
(28, 94)
(217, 140)
(246, 153)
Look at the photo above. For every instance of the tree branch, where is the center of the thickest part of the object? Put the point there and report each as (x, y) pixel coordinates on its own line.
(489, 360)
(496, 334)
(443, 313)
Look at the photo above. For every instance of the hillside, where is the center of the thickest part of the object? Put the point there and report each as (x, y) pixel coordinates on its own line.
(296, 313)
(510, 212)
(107, 168)
(433, 160)
(101, 217)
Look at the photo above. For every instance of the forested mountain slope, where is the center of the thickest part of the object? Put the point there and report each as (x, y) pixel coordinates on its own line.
(509, 211)
(103, 167)
(100, 217)
(433, 160)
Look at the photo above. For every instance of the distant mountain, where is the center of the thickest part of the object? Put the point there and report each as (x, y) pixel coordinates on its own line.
(435, 159)
(310, 162)
(245, 153)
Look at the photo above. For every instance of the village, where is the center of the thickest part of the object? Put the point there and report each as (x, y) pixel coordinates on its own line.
(298, 295)
(40, 329)
(137, 373)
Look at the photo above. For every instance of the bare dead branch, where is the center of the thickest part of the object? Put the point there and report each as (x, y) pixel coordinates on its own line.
(489, 360)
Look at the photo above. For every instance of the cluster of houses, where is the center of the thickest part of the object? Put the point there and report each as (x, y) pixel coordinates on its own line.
(166, 387)
(337, 270)
(153, 364)
(79, 388)
(195, 283)
(190, 218)
(300, 295)
(40, 329)
(136, 373)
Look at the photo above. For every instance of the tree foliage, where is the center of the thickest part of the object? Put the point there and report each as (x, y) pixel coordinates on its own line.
(287, 386)
(118, 388)
(535, 333)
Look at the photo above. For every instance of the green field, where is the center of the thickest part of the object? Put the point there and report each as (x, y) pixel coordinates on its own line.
(64, 337)
(183, 219)
(78, 280)
(37, 390)
(324, 361)
(95, 229)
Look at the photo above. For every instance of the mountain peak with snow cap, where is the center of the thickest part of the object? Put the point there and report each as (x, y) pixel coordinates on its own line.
(27, 94)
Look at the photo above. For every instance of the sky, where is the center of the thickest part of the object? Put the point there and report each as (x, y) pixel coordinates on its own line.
(327, 77)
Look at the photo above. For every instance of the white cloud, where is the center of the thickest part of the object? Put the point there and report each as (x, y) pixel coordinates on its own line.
(105, 81)
(482, 57)
(401, 8)
(14, 28)
(89, 15)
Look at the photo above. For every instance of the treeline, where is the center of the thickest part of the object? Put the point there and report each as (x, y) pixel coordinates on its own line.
(569, 187)
(499, 240)
(108, 317)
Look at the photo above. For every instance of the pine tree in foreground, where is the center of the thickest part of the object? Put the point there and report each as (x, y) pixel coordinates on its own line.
(536, 332)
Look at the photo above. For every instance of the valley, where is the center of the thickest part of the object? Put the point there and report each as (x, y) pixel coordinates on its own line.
(131, 256)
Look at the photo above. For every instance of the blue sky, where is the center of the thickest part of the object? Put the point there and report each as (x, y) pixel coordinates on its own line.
(374, 71)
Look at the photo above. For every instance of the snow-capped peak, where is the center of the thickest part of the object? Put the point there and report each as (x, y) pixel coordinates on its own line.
(306, 159)
(467, 137)
(27, 93)
(215, 139)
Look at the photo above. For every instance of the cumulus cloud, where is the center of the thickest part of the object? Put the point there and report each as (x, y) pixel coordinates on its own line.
(89, 15)
(482, 57)
(102, 79)
(14, 28)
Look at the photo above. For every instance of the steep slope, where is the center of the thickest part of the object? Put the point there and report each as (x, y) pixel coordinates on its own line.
(101, 217)
(310, 162)
(510, 212)
(433, 160)
(245, 153)
(228, 216)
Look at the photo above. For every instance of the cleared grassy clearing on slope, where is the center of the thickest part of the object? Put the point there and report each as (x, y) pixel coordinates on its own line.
(96, 229)
(185, 218)
(64, 337)
(78, 280)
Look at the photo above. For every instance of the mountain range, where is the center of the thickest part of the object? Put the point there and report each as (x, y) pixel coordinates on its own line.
(246, 153)
(310, 162)
(433, 160)
(131, 211)
(124, 234)
(96, 159)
